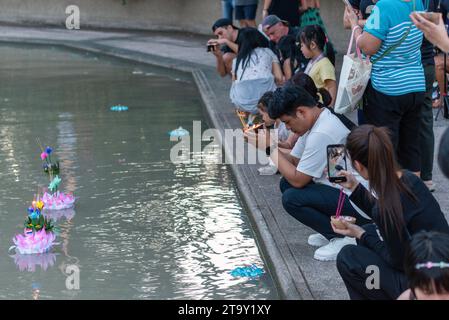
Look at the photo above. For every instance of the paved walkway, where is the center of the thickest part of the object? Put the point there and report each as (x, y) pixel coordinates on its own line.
(282, 239)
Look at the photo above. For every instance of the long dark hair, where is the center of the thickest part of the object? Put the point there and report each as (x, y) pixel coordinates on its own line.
(289, 50)
(372, 147)
(423, 248)
(248, 40)
(316, 34)
(303, 80)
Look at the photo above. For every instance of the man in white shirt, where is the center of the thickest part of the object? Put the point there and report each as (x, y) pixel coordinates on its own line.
(307, 194)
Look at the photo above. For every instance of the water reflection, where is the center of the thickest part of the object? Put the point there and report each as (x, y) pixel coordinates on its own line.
(29, 262)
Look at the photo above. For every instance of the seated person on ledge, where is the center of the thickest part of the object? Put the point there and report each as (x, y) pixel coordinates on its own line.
(285, 138)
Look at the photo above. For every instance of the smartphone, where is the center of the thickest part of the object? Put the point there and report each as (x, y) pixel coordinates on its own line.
(254, 128)
(336, 161)
(430, 16)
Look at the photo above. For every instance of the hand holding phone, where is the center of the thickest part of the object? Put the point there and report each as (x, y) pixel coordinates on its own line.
(336, 161)
(211, 45)
(433, 17)
(254, 128)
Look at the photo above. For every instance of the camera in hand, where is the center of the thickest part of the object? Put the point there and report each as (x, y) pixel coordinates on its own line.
(336, 161)
(210, 47)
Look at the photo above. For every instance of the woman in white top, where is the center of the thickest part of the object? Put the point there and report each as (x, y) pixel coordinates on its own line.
(255, 70)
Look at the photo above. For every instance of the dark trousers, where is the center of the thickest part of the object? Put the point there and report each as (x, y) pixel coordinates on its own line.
(402, 115)
(426, 135)
(313, 206)
(354, 264)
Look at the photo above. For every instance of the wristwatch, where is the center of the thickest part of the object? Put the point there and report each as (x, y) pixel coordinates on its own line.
(269, 150)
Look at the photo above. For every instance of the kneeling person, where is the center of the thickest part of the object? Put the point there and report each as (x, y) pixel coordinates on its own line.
(307, 194)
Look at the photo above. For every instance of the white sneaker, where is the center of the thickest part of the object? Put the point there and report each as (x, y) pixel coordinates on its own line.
(330, 251)
(317, 240)
(268, 170)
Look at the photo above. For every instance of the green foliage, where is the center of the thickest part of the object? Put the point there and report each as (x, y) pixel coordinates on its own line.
(37, 224)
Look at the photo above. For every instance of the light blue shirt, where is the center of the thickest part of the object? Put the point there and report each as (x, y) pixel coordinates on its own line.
(401, 71)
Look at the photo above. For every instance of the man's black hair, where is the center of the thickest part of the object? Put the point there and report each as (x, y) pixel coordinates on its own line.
(264, 101)
(286, 99)
(223, 22)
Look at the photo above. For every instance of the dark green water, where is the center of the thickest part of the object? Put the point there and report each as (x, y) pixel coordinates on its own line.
(142, 228)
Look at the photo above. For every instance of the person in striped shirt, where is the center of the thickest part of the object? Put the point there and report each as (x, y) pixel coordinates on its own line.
(395, 93)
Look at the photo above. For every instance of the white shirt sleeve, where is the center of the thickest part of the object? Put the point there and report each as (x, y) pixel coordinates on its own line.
(314, 157)
(299, 146)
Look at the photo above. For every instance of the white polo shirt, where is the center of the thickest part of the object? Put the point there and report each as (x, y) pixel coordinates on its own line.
(311, 149)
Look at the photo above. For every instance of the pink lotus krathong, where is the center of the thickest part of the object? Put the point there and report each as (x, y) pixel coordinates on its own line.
(34, 242)
(58, 201)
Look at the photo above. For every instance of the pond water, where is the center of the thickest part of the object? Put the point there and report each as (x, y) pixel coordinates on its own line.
(143, 227)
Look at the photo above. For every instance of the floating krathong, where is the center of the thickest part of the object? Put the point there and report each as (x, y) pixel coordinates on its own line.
(56, 200)
(119, 108)
(34, 242)
(38, 236)
(178, 133)
(252, 271)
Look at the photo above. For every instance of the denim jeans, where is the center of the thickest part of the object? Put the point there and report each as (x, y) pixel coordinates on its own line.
(314, 205)
(227, 7)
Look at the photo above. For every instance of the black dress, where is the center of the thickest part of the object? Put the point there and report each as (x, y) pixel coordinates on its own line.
(287, 10)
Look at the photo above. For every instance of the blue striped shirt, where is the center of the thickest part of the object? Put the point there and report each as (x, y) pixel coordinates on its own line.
(400, 71)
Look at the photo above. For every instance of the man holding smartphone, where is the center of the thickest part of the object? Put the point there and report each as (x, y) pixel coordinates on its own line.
(224, 47)
(307, 193)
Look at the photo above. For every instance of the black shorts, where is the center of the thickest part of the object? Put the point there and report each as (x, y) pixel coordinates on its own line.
(245, 12)
(401, 114)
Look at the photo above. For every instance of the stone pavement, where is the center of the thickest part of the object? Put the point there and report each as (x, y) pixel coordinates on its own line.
(281, 238)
